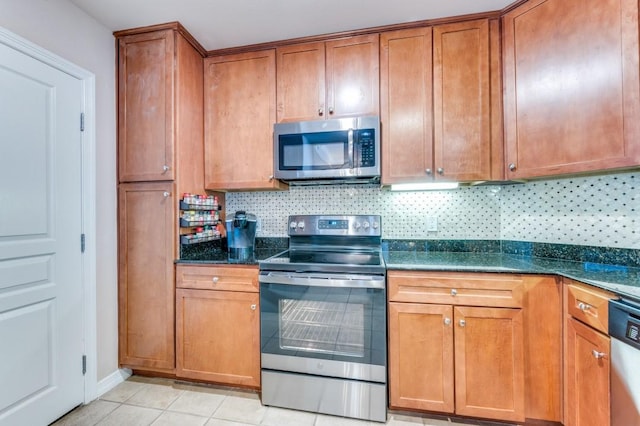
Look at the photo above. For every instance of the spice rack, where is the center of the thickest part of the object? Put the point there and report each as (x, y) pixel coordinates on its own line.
(199, 217)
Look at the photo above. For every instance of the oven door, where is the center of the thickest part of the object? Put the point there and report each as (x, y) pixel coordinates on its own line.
(324, 324)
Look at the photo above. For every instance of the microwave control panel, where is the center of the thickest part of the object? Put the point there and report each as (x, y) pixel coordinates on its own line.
(366, 148)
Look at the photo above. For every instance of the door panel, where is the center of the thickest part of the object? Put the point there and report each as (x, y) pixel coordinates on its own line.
(41, 331)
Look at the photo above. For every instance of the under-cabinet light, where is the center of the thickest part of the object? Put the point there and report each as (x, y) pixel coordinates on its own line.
(431, 186)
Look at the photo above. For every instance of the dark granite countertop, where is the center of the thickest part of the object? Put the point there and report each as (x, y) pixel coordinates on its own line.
(622, 280)
(221, 257)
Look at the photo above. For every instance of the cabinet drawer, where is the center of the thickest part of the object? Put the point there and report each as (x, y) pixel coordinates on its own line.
(588, 304)
(456, 288)
(228, 277)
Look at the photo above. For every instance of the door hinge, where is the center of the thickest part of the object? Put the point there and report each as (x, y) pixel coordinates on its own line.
(82, 121)
(82, 243)
(84, 365)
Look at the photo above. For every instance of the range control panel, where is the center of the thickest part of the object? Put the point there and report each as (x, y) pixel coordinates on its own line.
(349, 225)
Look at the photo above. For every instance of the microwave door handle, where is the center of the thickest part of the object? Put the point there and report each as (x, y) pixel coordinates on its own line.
(350, 147)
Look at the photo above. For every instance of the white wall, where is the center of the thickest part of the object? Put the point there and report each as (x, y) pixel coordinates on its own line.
(62, 28)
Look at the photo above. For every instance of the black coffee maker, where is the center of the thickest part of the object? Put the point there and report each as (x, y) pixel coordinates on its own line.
(241, 237)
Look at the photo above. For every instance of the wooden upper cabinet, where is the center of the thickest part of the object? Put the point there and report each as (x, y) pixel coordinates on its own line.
(462, 101)
(353, 76)
(240, 110)
(332, 79)
(406, 98)
(301, 82)
(440, 103)
(572, 87)
(145, 107)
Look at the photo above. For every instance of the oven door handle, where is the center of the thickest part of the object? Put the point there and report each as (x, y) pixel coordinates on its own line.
(318, 280)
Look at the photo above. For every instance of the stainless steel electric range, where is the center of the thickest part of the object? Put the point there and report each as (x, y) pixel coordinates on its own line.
(323, 319)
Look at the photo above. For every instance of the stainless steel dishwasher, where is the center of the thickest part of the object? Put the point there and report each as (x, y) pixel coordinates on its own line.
(624, 329)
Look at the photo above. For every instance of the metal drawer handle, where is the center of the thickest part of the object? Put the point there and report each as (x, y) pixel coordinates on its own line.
(447, 321)
(584, 306)
(598, 355)
(253, 307)
(215, 280)
(454, 292)
(462, 323)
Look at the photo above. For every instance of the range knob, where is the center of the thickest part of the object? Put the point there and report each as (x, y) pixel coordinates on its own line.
(375, 225)
(301, 225)
(365, 225)
(293, 224)
(356, 225)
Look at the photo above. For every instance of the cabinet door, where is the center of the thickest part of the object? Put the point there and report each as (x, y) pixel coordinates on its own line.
(301, 82)
(353, 80)
(421, 357)
(587, 369)
(146, 279)
(240, 101)
(462, 101)
(218, 336)
(406, 98)
(489, 363)
(572, 87)
(145, 106)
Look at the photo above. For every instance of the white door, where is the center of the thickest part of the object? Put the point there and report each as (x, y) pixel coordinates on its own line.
(41, 330)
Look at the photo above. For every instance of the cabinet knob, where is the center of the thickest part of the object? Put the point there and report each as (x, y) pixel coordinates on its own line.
(320, 111)
(584, 307)
(447, 321)
(598, 355)
(440, 171)
(428, 171)
(462, 323)
(165, 168)
(215, 280)
(253, 307)
(270, 178)
(165, 194)
(454, 292)
(330, 110)
(512, 167)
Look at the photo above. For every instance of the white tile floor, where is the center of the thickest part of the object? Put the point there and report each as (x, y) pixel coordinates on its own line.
(142, 401)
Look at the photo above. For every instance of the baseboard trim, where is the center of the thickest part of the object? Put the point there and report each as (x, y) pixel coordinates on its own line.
(112, 380)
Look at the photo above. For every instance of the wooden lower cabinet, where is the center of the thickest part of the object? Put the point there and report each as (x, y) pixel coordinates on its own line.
(587, 361)
(421, 357)
(218, 331)
(448, 353)
(145, 276)
(587, 366)
(489, 362)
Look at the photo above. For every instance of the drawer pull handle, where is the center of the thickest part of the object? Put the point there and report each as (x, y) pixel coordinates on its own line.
(447, 321)
(215, 280)
(598, 355)
(454, 292)
(584, 307)
(462, 323)
(253, 307)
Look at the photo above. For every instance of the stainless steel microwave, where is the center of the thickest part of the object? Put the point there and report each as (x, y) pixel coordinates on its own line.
(333, 151)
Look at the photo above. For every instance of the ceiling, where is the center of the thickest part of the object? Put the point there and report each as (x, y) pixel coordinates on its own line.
(220, 24)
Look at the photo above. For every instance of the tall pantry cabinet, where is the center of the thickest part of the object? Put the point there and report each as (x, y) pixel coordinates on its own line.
(160, 151)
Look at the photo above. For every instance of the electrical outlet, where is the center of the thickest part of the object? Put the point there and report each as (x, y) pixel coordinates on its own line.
(432, 224)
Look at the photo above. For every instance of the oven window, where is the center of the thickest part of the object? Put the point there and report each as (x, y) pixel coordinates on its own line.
(334, 328)
(341, 324)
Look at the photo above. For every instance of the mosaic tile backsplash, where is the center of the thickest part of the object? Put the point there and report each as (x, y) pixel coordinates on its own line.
(602, 211)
